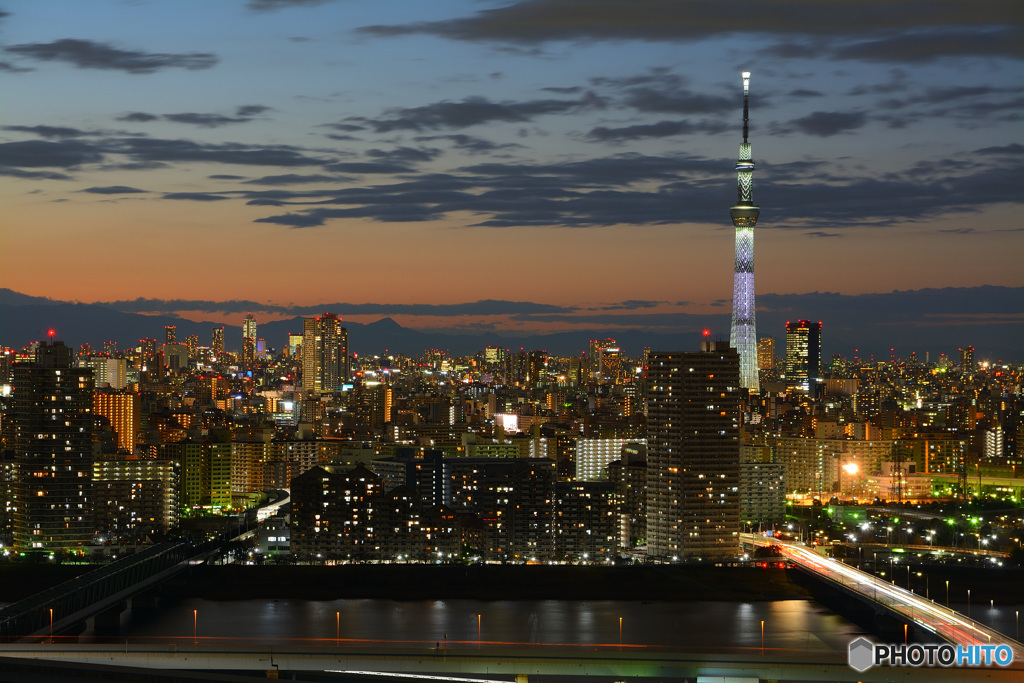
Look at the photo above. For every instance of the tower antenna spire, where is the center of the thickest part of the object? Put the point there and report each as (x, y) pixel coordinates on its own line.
(744, 214)
(746, 105)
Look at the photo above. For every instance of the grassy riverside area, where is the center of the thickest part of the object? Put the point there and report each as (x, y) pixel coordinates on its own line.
(489, 582)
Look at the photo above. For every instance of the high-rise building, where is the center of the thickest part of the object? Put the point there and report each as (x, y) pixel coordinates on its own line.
(766, 353)
(106, 371)
(609, 365)
(217, 343)
(324, 354)
(248, 340)
(594, 454)
(743, 335)
(967, 359)
(123, 410)
(693, 453)
(53, 427)
(594, 358)
(170, 334)
(803, 355)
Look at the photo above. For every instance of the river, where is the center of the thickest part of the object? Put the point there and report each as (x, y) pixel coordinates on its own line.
(788, 625)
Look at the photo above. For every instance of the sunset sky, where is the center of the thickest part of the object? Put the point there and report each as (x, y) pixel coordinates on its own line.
(544, 154)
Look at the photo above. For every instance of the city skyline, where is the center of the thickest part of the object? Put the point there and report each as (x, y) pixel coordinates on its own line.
(296, 153)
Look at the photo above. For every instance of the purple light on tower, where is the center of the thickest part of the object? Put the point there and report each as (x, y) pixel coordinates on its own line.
(743, 334)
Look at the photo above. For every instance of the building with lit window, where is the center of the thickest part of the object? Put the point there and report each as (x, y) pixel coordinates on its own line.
(217, 341)
(693, 453)
(325, 366)
(766, 353)
(123, 410)
(106, 371)
(586, 522)
(248, 341)
(332, 514)
(135, 499)
(803, 355)
(594, 454)
(53, 427)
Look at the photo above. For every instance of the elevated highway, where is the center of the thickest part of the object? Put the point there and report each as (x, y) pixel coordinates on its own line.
(909, 607)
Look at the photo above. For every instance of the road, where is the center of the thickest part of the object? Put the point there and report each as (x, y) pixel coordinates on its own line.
(948, 624)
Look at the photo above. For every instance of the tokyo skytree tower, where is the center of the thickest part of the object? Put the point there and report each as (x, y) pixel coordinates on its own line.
(743, 335)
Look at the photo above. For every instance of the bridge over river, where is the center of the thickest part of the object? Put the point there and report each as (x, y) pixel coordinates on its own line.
(912, 609)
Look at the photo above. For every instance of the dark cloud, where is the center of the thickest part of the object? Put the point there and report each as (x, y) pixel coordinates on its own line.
(33, 175)
(819, 233)
(10, 68)
(138, 117)
(49, 131)
(900, 30)
(631, 304)
(251, 110)
(571, 90)
(1011, 149)
(294, 179)
(367, 167)
(827, 123)
(36, 153)
(932, 44)
(482, 307)
(195, 196)
(113, 189)
(670, 190)
(204, 120)
(407, 154)
(473, 111)
(86, 54)
(225, 176)
(803, 92)
(344, 127)
(271, 5)
(161, 150)
(406, 213)
(469, 143)
(660, 129)
(679, 102)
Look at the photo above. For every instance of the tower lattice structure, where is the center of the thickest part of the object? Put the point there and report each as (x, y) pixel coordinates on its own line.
(743, 334)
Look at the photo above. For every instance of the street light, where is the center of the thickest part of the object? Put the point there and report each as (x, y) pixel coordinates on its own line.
(947, 592)
(51, 626)
(968, 603)
(478, 631)
(195, 627)
(762, 637)
(927, 585)
(337, 628)
(620, 633)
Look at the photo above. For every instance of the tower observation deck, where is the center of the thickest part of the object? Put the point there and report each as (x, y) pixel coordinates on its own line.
(743, 334)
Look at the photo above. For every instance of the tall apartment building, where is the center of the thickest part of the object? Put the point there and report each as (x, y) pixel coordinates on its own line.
(693, 453)
(53, 426)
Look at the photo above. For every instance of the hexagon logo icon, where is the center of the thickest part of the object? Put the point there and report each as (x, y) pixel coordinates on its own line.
(862, 654)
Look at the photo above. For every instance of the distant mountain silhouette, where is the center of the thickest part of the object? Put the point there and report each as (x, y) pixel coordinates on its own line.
(930, 320)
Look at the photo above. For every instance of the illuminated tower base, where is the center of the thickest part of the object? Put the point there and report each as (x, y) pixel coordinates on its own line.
(743, 333)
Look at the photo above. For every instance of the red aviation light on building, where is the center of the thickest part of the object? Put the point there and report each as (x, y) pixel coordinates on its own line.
(51, 333)
(707, 333)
